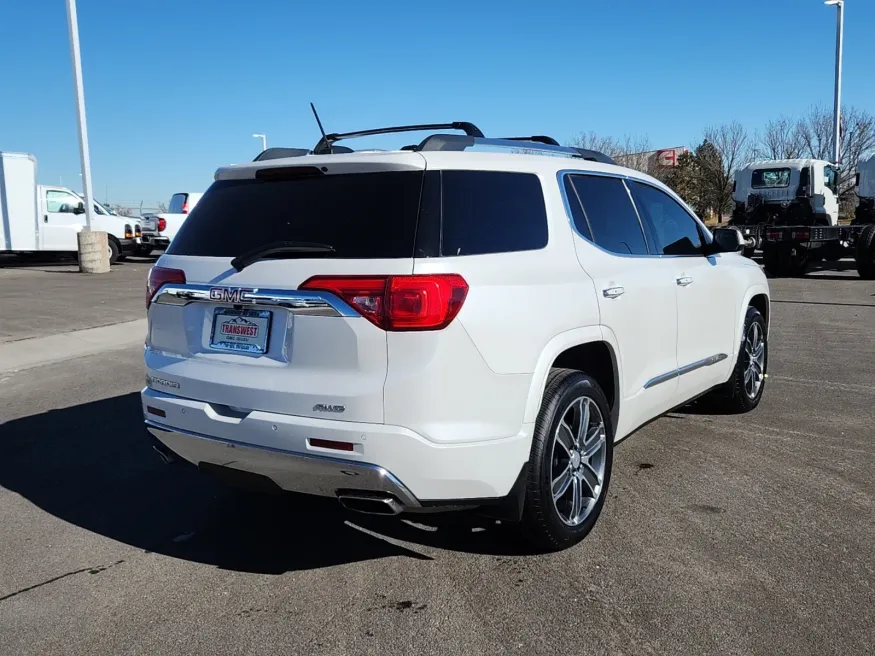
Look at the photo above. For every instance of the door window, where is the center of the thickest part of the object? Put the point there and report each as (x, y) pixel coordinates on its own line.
(677, 233)
(61, 201)
(829, 175)
(608, 215)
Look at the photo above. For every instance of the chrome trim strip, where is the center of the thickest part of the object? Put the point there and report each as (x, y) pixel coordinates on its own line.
(296, 301)
(356, 475)
(662, 378)
(705, 362)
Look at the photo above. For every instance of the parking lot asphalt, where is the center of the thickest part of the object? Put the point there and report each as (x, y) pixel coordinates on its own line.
(722, 535)
(49, 297)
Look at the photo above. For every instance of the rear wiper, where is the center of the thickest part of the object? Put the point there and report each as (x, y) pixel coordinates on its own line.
(275, 248)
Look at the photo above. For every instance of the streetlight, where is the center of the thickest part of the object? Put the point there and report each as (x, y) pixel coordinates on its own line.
(837, 108)
(93, 248)
(263, 140)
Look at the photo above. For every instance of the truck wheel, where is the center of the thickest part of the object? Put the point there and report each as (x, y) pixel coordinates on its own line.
(744, 389)
(780, 261)
(113, 249)
(570, 462)
(865, 253)
(749, 252)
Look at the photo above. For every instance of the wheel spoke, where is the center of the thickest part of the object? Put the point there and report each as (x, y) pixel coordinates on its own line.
(561, 483)
(583, 426)
(591, 481)
(748, 375)
(576, 500)
(594, 444)
(565, 437)
(759, 351)
(757, 368)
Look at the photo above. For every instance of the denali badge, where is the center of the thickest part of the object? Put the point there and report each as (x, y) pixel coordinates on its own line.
(321, 407)
(151, 380)
(229, 294)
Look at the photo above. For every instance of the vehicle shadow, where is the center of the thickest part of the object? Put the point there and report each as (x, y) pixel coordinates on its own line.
(92, 465)
(53, 262)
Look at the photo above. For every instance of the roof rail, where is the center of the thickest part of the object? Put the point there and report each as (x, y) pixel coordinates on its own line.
(325, 145)
(455, 142)
(537, 139)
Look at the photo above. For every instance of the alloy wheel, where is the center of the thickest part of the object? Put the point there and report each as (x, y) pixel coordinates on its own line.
(755, 360)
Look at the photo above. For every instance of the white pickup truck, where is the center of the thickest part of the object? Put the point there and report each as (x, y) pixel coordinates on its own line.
(159, 229)
(40, 218)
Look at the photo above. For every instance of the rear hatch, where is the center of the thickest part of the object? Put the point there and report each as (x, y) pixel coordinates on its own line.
(249, 339)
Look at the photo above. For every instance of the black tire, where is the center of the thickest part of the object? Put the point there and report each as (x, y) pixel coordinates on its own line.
(114, 250)
(865, 253)
(541, 522)
(779, 261)
(749, 252)
(733, 397)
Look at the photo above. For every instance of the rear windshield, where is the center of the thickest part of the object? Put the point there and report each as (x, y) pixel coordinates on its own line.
(176, 203)
(770, 178)
(360, 215)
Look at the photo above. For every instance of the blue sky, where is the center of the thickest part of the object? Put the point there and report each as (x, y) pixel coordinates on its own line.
(175, 88)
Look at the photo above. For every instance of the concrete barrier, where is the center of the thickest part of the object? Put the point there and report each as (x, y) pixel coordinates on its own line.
(93, 252)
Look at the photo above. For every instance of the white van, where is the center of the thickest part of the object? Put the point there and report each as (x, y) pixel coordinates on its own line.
(41, 218)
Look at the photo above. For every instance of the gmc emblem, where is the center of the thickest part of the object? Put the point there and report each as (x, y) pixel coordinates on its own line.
(229, 294)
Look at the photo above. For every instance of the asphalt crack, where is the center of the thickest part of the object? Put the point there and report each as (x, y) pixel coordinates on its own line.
(90, 570)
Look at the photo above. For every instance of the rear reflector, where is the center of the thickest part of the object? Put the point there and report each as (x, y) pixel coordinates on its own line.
(155, 411)
(331, 444)
(160, 276)
(416, 302)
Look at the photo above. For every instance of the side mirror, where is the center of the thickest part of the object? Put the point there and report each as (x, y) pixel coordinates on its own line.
(727, 240)
(79, 209)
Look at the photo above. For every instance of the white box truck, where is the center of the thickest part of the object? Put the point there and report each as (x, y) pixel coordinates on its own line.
(39, 218)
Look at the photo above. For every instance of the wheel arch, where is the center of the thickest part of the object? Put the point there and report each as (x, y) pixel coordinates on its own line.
(585, 349)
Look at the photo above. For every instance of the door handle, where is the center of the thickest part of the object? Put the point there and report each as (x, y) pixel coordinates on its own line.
(684, 281)
(45, 218)
(613, 292)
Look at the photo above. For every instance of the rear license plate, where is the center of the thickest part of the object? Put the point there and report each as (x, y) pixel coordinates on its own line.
(240, 330)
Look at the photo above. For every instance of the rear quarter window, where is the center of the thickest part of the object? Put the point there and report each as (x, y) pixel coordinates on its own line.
(491, 212)
(177, 201)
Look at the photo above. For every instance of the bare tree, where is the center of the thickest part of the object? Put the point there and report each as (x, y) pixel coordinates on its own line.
(725, 149)
(780, 140)
(815, 132)
(631, 151)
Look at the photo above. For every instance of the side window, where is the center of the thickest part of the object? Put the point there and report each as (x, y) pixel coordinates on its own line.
(60, 201)
(492, 212)
(176, 203)
(577, 214)
(829, 174)
(610, 215)
(677, 233)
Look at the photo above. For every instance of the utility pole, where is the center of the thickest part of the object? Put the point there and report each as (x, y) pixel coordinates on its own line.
(837, 107)
(93, 247)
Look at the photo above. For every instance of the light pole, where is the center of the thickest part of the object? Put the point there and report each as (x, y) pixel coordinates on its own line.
(263, 141)
(93, 249)
(837, 107)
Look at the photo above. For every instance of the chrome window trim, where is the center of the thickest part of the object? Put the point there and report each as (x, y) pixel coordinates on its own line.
(297, 301)
(560, 177)
(688, 368)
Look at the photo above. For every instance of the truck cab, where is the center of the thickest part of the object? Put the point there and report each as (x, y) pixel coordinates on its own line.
(786, 192)
(160, 229)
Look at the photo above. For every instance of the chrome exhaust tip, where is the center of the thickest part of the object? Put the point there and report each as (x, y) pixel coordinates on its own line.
(370, 505)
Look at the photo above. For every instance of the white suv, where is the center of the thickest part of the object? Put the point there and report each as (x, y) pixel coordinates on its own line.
(438, 327)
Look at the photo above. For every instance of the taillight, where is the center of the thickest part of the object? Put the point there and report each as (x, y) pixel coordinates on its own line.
(185, 207)
(129, 231)
(162, 224)
(160, 276)
(417, 302)
(138, 231)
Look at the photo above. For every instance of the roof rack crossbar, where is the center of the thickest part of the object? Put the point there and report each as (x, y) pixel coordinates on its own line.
(324, 145)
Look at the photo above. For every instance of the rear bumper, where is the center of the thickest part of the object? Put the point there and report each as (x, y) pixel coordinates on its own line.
(385, 459)
(293, 472)
(128, 245)
(154, 239)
